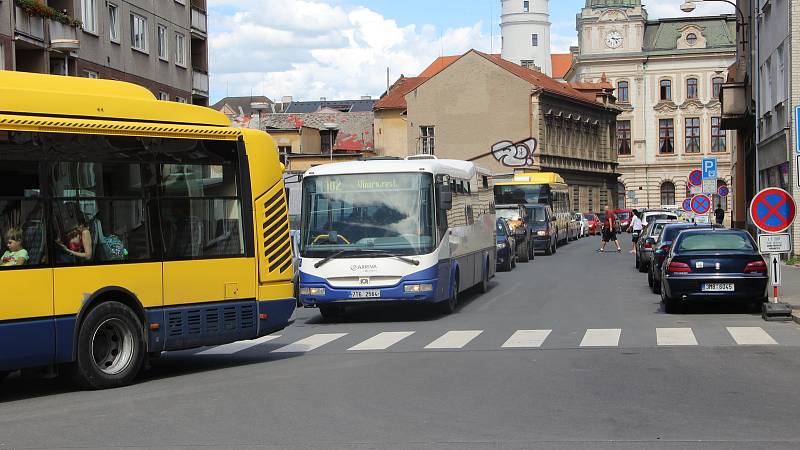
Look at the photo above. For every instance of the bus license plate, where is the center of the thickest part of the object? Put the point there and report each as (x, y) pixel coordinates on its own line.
(718, 287)
(365, 294)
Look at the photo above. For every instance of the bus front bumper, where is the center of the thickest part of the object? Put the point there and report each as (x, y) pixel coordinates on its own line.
(412, 291)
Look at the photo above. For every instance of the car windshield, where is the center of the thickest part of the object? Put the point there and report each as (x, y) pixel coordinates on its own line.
(670, 233)
(664, 216)
(656, 229)
(715, 242)
(623, 215)
(508, 213)
(390, 212)
(536, 215)
(501, 229)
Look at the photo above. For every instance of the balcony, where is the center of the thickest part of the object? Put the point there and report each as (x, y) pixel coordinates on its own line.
(199, 23)
(735, 112)
(199, 83)
(63, 37)
(29, 28)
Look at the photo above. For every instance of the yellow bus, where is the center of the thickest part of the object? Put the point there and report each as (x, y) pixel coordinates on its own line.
(544, 188)
(132, 226)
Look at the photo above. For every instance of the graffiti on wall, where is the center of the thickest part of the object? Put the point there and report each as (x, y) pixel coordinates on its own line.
(515, 154)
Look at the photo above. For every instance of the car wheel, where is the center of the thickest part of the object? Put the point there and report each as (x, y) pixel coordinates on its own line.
(642, 267)
(531, 251)
(671, 306)
(650, 278)
(637, 263)
(110, 349)
(656, 285)
(522, 253)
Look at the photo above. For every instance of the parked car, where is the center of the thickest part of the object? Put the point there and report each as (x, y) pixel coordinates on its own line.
(646, 242)
(661, 250)
(516, 216)
(720, 264)
(584, 223)
(542, 223)
(624, 216)
(506, 246)
(574, 231)
(593, 222)
(656, 215)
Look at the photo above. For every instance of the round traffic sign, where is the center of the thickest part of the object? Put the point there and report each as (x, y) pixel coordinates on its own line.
(696, 178)
(772, 210)
(700, 204)
(687, 205)
(723, 191)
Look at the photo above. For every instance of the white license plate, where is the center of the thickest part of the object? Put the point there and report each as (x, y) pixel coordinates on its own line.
(365, 294)
(717, 287)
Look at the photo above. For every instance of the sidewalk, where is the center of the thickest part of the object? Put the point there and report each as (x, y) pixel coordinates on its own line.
(790, 289)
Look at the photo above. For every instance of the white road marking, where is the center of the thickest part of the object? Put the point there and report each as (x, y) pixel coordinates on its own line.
(310, 343)
(236, 347)
(751, 336)
(382, 341)
(527, 339)
(454, 339)
(675, 336)
(599, 337)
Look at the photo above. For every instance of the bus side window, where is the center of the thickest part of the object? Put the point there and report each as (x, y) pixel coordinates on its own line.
(22, 220)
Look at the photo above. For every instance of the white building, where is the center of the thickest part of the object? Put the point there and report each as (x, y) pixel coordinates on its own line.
(525, 29)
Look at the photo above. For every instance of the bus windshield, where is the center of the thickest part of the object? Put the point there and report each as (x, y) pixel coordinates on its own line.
(386, 212)
(520, 193)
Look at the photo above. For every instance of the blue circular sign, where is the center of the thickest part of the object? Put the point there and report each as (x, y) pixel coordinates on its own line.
(687, 205)
(772, 210)
(723, 191)
(696, 178)
(701, 204)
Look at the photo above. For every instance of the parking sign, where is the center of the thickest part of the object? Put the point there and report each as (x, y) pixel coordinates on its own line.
(709, 168)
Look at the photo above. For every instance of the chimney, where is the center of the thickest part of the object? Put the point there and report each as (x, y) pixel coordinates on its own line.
(323, 99)
(286, 99)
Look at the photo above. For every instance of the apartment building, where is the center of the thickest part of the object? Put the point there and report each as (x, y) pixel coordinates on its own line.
(161, 45)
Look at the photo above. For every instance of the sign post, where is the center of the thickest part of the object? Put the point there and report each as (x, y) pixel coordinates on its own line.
(773, 211)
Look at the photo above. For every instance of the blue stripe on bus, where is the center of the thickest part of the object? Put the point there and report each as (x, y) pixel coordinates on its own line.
(27, 343)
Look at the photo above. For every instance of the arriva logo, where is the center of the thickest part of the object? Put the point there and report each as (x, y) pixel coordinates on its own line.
(355, 267)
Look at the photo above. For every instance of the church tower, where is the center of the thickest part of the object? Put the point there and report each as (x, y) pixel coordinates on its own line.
(525, 31)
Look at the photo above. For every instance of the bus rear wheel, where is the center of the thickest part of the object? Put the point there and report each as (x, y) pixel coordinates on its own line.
(111, 347)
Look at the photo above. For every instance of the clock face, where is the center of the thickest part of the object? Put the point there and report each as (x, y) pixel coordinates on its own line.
(614, 39)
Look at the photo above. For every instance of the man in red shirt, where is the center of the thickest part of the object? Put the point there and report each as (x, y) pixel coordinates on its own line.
(609, 231)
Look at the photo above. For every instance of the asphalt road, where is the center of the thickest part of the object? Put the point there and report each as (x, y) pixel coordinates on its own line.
(568, 351)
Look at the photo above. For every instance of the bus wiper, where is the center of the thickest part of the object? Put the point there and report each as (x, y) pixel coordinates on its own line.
(391, 255)
(335, 255)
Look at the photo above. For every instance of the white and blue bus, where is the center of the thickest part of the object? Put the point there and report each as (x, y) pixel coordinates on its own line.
(415, 230)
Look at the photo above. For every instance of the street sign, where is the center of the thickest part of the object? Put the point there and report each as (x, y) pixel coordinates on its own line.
(774, 243)
(709, 168)
(723, 191)
(687, 205)
(775, 269)
(694, 190)
(710, 186)
(772, 210)
(702, 218)
(695, 178)
(701, 204)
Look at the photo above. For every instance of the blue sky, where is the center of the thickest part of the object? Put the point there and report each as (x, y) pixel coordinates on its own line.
(309, 49)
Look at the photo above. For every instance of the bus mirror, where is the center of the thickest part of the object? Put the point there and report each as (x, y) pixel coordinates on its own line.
(445, 197)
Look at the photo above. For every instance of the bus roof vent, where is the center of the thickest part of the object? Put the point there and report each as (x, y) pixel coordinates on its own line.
(419, 157)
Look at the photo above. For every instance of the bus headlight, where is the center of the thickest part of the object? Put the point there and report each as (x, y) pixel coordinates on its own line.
(415, 288)
(312, 291)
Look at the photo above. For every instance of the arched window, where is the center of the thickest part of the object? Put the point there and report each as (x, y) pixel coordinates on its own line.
(666, 90)
(718, 199)
(622, 92)
(691, 88)
(667, 194)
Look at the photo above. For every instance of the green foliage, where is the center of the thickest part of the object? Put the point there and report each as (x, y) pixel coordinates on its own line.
(39, 9)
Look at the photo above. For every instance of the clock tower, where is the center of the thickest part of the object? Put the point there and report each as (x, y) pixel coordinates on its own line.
(611, 26)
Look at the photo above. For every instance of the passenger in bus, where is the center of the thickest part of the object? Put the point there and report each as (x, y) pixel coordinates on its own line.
(15, 255)
(78, 247)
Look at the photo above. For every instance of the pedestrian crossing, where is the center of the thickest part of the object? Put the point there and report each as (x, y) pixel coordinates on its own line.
(411, 340)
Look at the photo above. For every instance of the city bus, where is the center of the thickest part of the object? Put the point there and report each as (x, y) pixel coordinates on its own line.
(545, 188)
(419, 230)
(131, 227)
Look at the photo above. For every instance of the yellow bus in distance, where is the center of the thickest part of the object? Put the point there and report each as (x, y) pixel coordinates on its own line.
(131, 227)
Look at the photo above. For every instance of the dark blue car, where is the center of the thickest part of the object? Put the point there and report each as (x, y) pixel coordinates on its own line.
(506, 256)
(663, 245)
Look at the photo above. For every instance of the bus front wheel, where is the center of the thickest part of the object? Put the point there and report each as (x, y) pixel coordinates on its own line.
(449, 306)
(111, 347)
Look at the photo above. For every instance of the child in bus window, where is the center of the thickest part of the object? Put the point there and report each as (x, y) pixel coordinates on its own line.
(15, 255)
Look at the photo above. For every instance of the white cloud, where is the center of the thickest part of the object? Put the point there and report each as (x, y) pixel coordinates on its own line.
(312, 48)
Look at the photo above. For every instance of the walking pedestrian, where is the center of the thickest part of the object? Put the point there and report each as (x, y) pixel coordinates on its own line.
(719, 214)
(609, 231)
(636, 228)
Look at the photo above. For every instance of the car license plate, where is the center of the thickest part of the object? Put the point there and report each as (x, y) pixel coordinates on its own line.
(718, 287)
(365, 294)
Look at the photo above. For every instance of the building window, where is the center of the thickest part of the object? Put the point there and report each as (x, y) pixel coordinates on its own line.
(162, 43)
(113, 22)
(718, 136)
(716, 86)
(666, 90)
(89, 15)
(667, 194)
(163, 96)
(428, 138)
(535, 40)
(692, 135)
(691, 88)
(180, 100)
(138, 32)
(624, 137)
(691, 39)
(91, 74)
(180, 49)
(622, 92)
(719, 200)
(666, 136)
(526, 6)
(527, 63)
